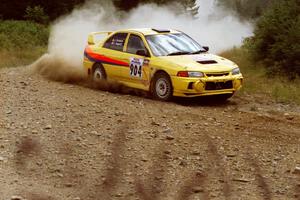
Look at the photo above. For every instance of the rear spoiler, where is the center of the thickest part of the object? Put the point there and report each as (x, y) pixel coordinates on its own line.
(91, 37)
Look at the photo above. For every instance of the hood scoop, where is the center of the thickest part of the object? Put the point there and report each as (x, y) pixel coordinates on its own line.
(207, 62)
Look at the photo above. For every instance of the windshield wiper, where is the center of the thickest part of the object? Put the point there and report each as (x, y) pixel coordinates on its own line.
(200, 51)
(179, 53)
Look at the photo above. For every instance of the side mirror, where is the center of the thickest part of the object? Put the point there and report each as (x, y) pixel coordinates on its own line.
(206, 48)
(142, 53)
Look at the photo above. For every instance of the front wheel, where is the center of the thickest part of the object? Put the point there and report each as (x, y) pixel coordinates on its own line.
(162, 87)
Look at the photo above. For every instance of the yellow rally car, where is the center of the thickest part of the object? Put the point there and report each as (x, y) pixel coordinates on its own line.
(165, 62)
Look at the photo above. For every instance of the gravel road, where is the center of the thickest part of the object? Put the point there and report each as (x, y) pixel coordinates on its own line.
(63, 141)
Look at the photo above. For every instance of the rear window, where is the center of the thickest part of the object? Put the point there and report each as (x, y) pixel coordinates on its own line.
(116, 42)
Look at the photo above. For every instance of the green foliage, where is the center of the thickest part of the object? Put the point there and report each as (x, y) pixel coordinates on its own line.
(190, 7)
(17, 10)
(18, 57)
(276, 40)
(22, 35)
(246, 9)
(36, 14)
(280, 88)
(36, 10)
(126, 5)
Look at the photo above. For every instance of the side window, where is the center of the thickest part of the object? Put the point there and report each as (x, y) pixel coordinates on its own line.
(116, 42)
(135, 43)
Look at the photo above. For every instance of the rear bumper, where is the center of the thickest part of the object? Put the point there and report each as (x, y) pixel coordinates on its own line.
(193, 87)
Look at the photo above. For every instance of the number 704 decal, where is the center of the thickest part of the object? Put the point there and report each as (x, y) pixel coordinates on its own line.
(136, 67)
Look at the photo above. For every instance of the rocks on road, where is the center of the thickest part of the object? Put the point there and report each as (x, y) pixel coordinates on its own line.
(81, 136)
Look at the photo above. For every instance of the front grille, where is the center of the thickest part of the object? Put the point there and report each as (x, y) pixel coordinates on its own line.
(218, 85)
(217, 74)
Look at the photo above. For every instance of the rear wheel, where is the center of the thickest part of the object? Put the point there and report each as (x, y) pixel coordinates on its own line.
(161, 88)
(99, 73)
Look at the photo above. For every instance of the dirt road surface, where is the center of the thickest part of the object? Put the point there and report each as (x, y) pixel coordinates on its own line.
(68, 142)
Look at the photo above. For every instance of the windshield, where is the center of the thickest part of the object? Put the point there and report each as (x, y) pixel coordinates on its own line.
(173, 44)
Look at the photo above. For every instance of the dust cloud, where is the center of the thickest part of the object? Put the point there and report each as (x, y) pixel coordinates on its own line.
(68, 38)
(56, 68)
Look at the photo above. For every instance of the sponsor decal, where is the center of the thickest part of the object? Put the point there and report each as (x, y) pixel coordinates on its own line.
(136, 67)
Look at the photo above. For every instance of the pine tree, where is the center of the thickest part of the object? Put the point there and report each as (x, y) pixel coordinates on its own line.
(246, 9)
(191, 7)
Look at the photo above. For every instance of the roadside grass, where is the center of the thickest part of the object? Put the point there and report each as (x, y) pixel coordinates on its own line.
(21, 42)
(257, 82)
(10, 58)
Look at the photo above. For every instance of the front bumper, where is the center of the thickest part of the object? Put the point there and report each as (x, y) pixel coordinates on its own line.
(192, 87)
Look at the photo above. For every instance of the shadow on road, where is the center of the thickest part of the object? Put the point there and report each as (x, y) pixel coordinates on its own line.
(208, 101)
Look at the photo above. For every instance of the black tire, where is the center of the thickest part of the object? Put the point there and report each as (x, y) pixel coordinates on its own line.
(99, 73)
(161, 87)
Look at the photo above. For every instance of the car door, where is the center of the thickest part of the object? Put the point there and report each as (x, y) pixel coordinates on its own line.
(137, 54)
(111, 55)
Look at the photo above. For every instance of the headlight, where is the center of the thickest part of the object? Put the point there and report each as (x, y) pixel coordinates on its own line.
(190, 74)
(196, 74)
(236, 71)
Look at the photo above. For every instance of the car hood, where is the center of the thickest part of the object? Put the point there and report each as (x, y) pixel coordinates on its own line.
(204, 62)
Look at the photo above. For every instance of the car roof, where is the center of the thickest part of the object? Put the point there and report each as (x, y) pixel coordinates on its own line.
(149, 31)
